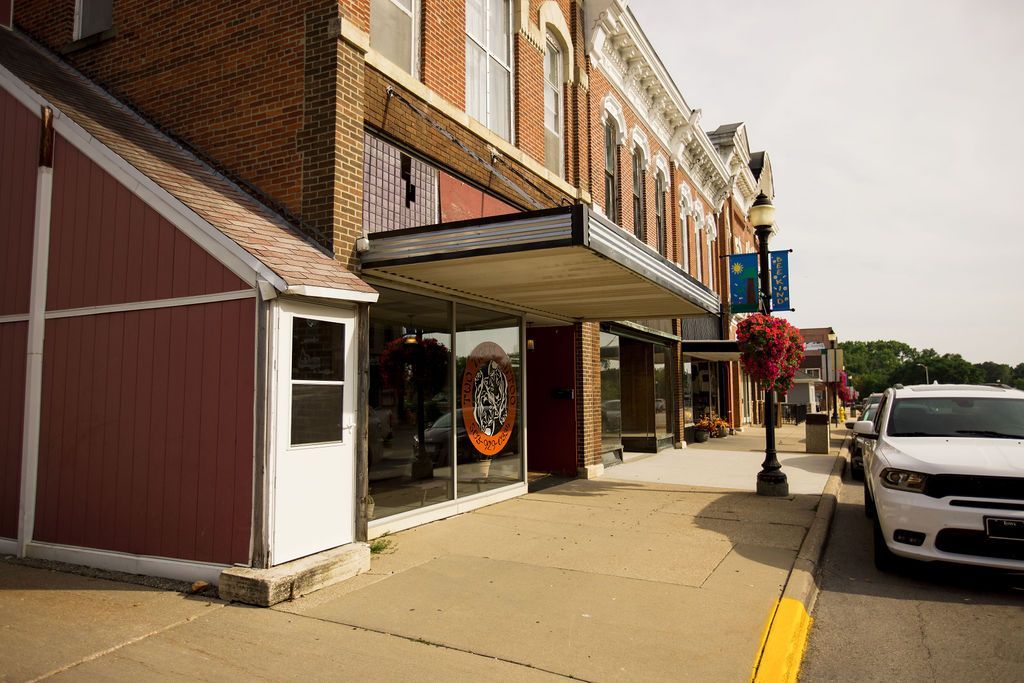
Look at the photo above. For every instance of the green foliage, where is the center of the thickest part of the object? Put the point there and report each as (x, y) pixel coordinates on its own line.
(877, 365)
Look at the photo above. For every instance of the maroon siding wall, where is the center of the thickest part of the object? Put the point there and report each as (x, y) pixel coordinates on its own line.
(108, 247)
(147, 438)
(19, 157)
(13, 338)
(19, 153)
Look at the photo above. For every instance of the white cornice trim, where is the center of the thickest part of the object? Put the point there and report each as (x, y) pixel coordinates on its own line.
(640, 140)
(611, 107)
(661, 165)
(618, 47)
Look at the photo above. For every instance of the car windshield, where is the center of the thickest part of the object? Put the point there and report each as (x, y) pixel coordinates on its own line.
(957, 416)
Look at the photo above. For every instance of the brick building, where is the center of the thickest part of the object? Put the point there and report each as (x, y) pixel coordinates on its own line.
(486, 229)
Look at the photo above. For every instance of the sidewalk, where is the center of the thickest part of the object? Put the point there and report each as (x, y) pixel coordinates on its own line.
(610, 579)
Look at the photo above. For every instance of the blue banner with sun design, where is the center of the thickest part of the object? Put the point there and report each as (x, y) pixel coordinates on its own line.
(743, 285)
(779, 269)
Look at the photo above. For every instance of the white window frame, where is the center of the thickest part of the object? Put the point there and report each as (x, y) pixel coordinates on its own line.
(510, 67)
(553, 83)
(414, 18)
(79, 11)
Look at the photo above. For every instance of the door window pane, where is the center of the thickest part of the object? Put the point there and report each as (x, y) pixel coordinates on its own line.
(317, 413)
(317, 381)
(611, 396)
(318, 350)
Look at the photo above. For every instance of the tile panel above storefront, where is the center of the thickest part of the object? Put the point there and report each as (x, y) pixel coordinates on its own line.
(567, 263)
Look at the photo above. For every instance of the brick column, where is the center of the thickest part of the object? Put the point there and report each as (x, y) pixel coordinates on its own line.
(588, 400)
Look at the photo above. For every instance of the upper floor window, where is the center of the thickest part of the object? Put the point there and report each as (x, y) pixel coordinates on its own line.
(611, 171)
(393, 31)
(489, 64)
(553, 149)
(659, 212)
(93, 16)
(639, 210)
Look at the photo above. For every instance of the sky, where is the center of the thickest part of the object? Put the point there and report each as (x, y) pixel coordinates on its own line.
(895, 131)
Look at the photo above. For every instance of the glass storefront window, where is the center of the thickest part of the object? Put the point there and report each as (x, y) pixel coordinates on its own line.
(662, 391)
(410, 411)
(611, 394)
(688, 369)
(488, 375)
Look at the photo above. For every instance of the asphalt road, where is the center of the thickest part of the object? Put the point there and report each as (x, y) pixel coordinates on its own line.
(928, 623)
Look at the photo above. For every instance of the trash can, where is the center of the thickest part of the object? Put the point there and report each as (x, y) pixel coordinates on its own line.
(817, 436)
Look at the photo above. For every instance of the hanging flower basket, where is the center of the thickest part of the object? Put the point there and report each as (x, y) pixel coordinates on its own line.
(771, 350)
(423, 362)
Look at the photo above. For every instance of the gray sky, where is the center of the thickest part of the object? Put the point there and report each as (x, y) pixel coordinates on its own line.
(895, 131)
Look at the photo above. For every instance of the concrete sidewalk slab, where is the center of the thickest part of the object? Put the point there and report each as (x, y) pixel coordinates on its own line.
(736, 470)
(240, 643)
(51, 619)
(580, 624)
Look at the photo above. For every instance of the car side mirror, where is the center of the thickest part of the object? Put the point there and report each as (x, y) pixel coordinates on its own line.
(865, 428)
(850, 423)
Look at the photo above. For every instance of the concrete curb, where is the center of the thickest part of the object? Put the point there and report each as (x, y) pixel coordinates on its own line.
(782, 646)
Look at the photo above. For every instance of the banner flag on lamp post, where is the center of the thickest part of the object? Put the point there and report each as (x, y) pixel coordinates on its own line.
(743, 287)
(779, 261)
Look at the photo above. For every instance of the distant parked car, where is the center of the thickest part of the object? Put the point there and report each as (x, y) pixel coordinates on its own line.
(857, 445)
(944, 475)
(611, 415)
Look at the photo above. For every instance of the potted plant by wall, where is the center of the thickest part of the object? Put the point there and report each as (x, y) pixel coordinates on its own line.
(721, 428)
(703, 428)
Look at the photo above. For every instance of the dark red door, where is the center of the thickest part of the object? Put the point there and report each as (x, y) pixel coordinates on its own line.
(550, 385)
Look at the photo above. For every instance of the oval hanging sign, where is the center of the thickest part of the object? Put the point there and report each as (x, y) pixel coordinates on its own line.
(489, 398)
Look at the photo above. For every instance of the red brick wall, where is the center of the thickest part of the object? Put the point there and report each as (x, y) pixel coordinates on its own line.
(588, 394)
(443, 49)
(240, 81)
(529, 98)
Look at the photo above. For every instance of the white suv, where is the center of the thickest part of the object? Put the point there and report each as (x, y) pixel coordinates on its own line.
(944, 475)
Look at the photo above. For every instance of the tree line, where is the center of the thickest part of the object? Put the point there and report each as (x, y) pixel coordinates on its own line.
(877, 365)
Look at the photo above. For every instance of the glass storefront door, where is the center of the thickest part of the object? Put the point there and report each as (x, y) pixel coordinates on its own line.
(611, 395)
(488, 375)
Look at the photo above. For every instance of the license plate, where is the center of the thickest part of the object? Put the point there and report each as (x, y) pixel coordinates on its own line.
(1006, 529)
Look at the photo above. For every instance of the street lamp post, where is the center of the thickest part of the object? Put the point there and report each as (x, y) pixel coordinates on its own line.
(834, 371)
(922, 365)
(771, 480)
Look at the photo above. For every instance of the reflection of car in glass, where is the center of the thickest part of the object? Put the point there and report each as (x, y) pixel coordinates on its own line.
(857, 445)
(659, 405)
(437, 440)
(378, 431)
(944, 475)
(611, 414)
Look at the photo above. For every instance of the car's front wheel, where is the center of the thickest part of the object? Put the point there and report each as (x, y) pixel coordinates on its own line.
(885, 559)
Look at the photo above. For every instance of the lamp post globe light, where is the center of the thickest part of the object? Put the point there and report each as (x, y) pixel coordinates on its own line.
(771, 480)
(834, 372)
(922, 365)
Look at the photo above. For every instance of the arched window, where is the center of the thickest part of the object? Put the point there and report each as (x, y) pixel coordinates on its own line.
(698, 242)
(489, 64)
(554, 157)
(639, 209)
(611, 171)
(659, 212)
(685, 210)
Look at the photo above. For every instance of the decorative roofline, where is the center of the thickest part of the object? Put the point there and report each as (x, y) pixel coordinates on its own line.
(618, 47)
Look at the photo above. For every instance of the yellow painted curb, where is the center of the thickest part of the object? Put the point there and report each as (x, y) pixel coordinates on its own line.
(784, 646)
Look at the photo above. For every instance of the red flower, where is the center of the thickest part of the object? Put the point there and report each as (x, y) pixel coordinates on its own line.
(771, 350)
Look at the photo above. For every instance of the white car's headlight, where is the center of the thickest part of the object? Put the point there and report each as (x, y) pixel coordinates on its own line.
(904, 480)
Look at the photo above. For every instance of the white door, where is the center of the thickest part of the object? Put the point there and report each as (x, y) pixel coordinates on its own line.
(314, 464)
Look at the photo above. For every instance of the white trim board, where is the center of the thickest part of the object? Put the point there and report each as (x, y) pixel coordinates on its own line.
(20, 318)
(147, 565)
(433, 513)
(153, 303)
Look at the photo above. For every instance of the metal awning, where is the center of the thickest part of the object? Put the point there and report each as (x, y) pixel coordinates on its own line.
(711, 349)
(569, 263)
